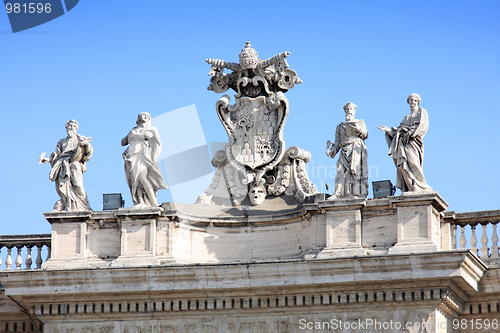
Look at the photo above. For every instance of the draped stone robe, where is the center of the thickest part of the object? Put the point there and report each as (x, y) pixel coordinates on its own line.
(68, 166)
(141, 156)
(409, 156)
(352, 166)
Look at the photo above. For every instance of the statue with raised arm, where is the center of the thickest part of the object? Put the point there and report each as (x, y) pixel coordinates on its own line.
(406, 147)
(143, 175)
(352, 168)
(68, 165)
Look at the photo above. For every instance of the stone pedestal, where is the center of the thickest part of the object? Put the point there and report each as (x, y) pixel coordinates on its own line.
(138, 237)
(418, 222)
(69, 240)
(343, 228)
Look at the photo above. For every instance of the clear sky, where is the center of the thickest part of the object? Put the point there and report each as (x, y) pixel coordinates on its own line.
(105, 61)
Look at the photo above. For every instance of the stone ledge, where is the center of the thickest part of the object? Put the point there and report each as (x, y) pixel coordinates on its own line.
(426, 197)
(68, 217)
(460, 266)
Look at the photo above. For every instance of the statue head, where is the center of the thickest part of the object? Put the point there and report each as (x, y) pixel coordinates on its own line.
(249, 59)
(71, 127)
(415, 97)
(257, 193)
(144, 117)
(350, 111)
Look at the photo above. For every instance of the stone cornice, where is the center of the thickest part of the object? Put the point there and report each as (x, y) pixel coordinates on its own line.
(488, 216)
(412, 199)
(459, 266)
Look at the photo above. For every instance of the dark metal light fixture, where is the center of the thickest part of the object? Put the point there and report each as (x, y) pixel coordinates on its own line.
(382, 189)
(112, 201)
(245, 210)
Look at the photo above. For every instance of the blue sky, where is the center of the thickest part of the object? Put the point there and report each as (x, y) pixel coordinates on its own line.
(105, 61)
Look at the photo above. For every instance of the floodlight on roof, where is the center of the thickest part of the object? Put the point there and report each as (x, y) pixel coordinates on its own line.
(112, 201)
(382, 189)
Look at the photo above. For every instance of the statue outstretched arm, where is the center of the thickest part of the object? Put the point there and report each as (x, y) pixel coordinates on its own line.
(391, 131)
(43, 159)
(384, 128)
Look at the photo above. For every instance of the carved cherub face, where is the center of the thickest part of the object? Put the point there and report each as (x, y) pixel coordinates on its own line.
(257, 194)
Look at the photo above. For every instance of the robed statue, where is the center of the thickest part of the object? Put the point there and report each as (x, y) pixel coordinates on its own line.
(68, 163)
(144, 178)
(406, 147)
(352, 168)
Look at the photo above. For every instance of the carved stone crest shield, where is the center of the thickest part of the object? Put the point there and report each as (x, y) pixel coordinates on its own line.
(255, 160)
(255, 128)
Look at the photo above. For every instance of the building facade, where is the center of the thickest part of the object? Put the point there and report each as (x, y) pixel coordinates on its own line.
(349, 265)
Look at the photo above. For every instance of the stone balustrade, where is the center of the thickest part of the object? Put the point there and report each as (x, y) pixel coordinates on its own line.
(33, 257)
(102, 239)
(477, 227)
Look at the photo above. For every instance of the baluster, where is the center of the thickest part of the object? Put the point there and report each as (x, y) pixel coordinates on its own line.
(49, 253)
(28, 260)
(494, 240)
(462, 240)
(39, 256)
(1, 258)
(473, 240)
(8, 261)
(454, 237)
(484, 243)
(19, 259)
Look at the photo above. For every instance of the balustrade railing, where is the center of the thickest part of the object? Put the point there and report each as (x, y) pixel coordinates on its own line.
(476, 231)
(24, 246)
(470, 225)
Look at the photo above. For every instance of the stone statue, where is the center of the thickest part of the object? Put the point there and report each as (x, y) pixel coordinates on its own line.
(68, 166)
(352, 168)
(256, 151)
(143, 175)
(407, 149)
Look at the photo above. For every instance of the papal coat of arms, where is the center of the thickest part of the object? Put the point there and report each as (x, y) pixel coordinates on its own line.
(255, 159)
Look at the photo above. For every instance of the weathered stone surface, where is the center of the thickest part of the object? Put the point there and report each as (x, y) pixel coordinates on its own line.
(269, 296)
(275, 230)
(194, 282)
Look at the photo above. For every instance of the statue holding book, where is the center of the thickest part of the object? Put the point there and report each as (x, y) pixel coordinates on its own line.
(352, 168)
